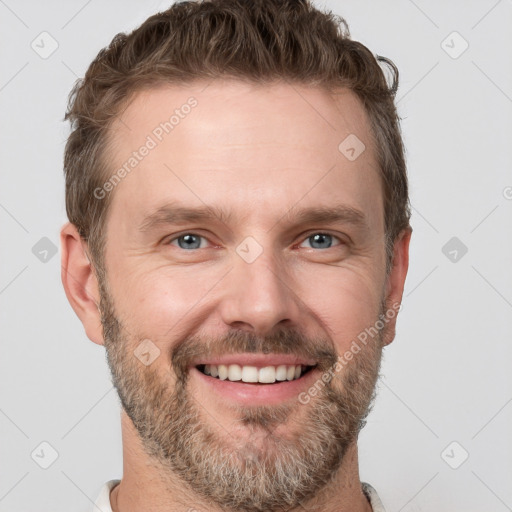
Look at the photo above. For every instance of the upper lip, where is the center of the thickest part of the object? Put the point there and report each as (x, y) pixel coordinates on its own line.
(258, 360)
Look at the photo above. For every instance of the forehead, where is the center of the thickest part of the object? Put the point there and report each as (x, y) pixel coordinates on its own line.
(261, 148)
(241, 108)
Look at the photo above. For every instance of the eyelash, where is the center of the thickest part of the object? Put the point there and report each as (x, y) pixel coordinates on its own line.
(308, 235)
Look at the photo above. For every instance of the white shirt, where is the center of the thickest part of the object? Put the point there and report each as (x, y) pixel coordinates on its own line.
(102, 504)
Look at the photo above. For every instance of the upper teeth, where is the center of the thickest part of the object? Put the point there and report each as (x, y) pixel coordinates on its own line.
(266, 375)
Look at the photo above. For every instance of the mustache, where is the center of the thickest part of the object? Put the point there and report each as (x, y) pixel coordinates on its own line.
(289, 341)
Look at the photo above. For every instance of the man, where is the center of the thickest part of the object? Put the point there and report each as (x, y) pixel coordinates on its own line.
(246, 364)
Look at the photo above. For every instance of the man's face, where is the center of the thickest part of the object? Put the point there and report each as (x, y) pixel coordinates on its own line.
(253, 291)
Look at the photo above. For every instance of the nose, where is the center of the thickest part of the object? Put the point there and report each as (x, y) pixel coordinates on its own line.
(259, 296)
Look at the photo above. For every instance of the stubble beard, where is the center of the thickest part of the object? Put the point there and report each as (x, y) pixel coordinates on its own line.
(233, 473)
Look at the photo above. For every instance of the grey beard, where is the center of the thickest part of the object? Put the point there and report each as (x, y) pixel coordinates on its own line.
(271, 474)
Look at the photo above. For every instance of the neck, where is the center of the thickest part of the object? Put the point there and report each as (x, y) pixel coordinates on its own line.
(144, 487)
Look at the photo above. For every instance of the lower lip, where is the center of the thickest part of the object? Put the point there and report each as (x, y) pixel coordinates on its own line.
(257, 394)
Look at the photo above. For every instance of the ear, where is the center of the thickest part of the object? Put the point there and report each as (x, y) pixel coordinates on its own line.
(396, 281)
(80, 283)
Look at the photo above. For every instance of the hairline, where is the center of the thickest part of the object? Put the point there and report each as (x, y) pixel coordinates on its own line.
(109, 141)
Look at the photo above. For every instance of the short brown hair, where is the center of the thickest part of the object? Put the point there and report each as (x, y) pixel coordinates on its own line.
(252, 40)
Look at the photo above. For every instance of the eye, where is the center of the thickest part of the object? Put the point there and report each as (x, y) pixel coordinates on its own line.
(188, 241)
(322, 240)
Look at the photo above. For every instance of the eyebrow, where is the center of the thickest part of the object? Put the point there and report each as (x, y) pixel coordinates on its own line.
(175, 214)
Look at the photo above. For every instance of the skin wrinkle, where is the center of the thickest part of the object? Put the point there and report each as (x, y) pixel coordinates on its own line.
(184, 446)
(281, 475)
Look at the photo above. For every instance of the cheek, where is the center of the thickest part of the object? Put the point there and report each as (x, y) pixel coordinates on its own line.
(346, 301)
(158, 303)
(165, 303)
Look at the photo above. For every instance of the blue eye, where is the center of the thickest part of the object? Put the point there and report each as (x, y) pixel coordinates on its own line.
(322, 239)
(190, 241)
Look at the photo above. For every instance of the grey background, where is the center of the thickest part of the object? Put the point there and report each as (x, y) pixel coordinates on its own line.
(446, 377)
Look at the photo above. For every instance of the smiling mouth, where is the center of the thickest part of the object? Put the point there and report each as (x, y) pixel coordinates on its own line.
(253, 374)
